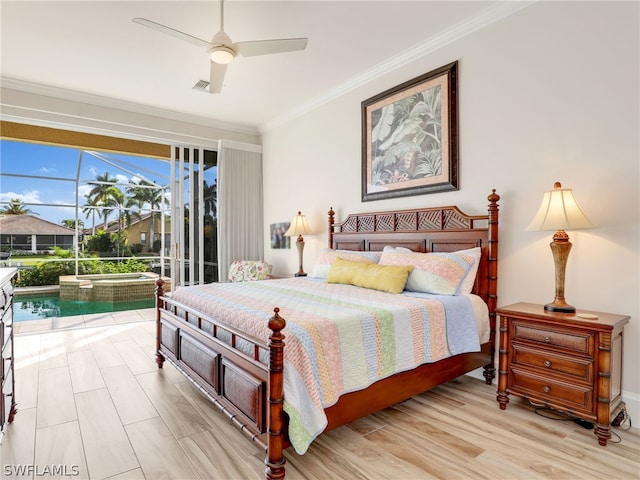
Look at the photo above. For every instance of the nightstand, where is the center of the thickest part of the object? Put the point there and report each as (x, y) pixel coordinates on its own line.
(564, 361)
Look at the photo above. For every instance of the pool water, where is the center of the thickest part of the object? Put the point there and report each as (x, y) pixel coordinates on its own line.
(45, 306)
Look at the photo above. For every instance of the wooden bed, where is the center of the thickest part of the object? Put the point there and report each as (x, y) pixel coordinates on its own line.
(249, 389)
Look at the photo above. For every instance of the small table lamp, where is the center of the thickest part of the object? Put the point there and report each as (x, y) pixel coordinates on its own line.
(559, 211)
(299, 226)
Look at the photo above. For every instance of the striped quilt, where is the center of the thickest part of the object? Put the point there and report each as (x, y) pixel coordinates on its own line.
(339, 338)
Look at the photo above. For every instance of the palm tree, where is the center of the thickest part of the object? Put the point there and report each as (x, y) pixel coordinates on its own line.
(120, 240)
(146, 193)
(211, 198)
(71, 223)
(115, 198)
(16, 207)
(99, 193)
(88, 210)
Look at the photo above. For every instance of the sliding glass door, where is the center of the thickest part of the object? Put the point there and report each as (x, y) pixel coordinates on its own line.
(194, 177)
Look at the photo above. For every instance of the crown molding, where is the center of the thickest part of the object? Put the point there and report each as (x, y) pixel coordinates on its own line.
(488, 16)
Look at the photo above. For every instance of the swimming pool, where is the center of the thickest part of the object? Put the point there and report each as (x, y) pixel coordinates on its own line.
(50, 305)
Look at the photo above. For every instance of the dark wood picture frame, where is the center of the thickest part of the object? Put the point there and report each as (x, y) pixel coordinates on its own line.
(410, 137)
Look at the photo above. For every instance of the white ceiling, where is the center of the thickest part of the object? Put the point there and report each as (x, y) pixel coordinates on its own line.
(92, 49)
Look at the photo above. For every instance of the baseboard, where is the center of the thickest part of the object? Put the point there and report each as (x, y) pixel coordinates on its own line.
(632, 400)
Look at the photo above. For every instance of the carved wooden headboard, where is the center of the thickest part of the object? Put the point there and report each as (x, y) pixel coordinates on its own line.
(436, 229)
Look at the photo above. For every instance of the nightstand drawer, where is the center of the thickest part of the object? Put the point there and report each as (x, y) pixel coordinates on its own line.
(576, 367)
(546, 389)
(574, 341)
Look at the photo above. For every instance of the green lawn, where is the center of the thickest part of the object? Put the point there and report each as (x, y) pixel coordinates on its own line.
(30, 260)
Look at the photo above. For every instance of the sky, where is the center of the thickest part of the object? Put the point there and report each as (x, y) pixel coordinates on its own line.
(57, 163)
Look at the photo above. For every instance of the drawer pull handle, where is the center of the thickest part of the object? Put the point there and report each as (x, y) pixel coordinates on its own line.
(546, 389)
(547, 363)
(547, 339)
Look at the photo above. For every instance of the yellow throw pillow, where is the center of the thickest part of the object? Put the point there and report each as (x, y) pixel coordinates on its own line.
(386, 278)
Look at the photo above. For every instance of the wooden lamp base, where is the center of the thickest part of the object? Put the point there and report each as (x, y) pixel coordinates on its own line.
(300, 246)
(560, 247)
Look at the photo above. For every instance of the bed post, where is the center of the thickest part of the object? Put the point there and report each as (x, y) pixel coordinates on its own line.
(159, 305)
(275, 436)
(492, 300)
(331, 222)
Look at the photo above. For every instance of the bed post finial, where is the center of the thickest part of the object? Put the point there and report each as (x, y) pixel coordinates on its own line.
(493, 197)
(331, 222)
(275, 435)
(159, 305)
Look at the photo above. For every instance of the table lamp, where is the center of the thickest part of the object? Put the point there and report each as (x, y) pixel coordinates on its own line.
(559, 211)
(299, 227)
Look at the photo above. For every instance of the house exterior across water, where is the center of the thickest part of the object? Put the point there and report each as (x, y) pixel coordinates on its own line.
(30, 233)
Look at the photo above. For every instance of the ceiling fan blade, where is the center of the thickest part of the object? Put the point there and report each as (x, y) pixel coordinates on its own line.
(216, 77)
(173, 32)
(267, 47)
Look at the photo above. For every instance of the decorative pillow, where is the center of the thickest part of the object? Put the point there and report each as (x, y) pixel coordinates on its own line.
(437, 273)
(390, 278)
(470, 278)
(249, 270)
(389, 248)
(324, 261)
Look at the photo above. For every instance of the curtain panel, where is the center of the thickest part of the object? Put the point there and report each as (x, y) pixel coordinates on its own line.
(240, 204)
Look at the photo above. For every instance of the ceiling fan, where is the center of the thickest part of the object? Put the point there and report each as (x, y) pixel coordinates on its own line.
(223, 51)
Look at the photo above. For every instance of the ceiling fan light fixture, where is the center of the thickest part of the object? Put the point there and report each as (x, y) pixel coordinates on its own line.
(222, 55)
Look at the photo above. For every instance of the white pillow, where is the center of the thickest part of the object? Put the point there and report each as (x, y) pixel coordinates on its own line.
(389, 248)
(467, 283)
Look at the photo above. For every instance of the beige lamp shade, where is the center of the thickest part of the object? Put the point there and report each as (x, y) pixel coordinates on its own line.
(559, 210)
(299, 226)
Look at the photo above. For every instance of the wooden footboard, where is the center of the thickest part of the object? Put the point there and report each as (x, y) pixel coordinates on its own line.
(249, 389)
(236, 381)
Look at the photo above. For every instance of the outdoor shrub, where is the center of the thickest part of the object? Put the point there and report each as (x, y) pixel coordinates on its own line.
(132, 265)
(46, 273)
(100, 242)
(62, 253)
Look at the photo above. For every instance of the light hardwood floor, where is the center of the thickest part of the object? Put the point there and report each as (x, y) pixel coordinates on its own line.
(91, 401)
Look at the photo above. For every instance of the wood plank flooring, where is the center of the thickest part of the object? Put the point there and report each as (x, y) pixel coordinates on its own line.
(91, 401)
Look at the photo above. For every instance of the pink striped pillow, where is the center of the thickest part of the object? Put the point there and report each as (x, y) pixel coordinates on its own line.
(436, 273)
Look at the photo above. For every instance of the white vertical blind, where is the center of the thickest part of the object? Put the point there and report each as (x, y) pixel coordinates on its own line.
(173, 252)
(193, 219)
(201, 215)
(187, 176)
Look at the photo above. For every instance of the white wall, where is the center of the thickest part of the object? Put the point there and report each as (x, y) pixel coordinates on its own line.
(548, 94)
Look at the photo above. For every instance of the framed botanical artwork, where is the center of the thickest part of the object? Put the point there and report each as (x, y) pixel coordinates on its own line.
(410, 137)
